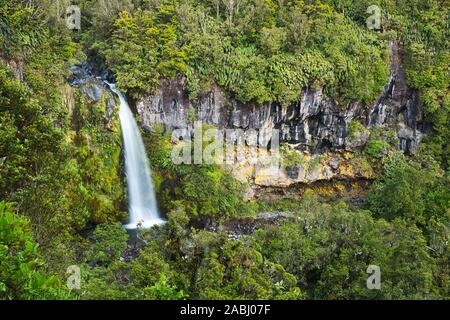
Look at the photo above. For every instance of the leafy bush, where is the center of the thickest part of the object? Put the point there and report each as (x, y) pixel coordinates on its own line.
(376, 147)
(162, 290)
(22, 270)
(403, 190)
(329, 247)
(270, 54)
(107, 243)
(203, 190)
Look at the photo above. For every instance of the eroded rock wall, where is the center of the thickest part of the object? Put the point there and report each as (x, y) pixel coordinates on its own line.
(316, 128)
(316, 123)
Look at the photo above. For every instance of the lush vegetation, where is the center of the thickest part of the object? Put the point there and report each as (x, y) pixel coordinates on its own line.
(267, 50)
(259, 50)
(22, 270)
(61, 180)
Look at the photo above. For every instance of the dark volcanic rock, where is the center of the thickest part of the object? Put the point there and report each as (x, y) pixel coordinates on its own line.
(85, 80)
(315, 123)
(236, 228)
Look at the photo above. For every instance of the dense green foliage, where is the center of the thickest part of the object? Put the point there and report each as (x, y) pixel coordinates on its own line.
(329, 249)
(259, 50)
(198, 188)
(266, 50)
(417, 193)
(22, 274)
(59, 164)
(61, 172)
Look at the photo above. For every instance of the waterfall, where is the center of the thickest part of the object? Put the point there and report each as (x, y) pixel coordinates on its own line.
(141, 195)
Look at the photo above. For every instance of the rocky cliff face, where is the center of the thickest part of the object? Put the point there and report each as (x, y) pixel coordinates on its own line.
(316, 123)
(83, 77)
(316, 129)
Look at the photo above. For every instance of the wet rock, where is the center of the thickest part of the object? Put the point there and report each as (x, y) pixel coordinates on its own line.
(237, 228)
(81, 74)
(85, 80)
(399, 106)
(409, 139)
(93, 90)
(134, 247)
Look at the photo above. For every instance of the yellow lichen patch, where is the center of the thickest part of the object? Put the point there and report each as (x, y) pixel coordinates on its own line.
(243, 173)
(347, 170)
(346, 155)
(340, 187)
(71, 136)
(323, 190)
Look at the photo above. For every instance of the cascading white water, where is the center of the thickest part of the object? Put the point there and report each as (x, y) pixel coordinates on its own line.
(141, 195)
